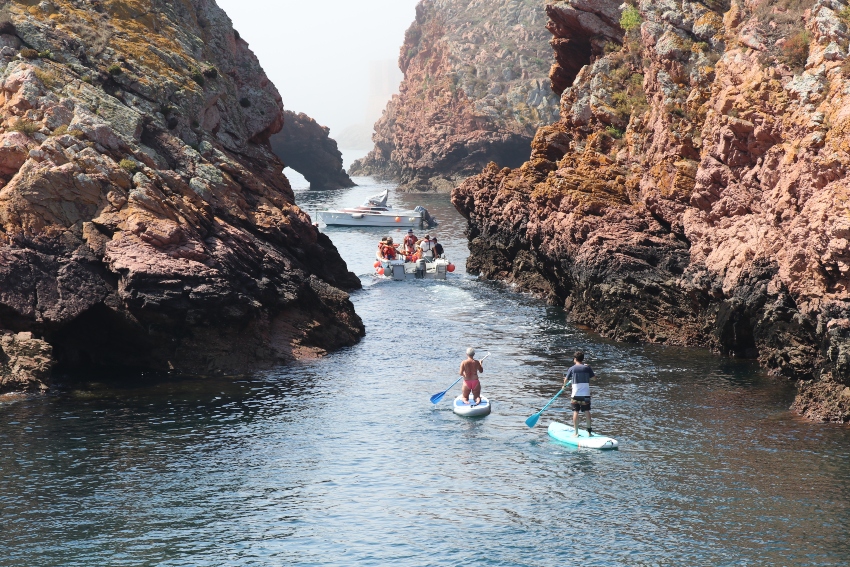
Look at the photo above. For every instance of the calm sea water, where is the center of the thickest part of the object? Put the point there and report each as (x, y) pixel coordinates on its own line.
(343, 461)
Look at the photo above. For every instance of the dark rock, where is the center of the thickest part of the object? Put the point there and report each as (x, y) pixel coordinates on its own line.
(307, 147)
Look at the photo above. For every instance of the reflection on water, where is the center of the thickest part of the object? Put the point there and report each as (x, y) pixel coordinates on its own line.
(343, 461)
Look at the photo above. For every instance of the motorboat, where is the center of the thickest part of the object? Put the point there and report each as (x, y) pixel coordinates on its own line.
(400, 270)
(375, 212)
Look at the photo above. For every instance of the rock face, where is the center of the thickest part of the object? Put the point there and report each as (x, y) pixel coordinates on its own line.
(474, 91)
(144, 220)
(695, 190)
(307, 147)
(25, 363)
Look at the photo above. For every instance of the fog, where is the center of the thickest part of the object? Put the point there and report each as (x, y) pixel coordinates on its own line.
(334, 60)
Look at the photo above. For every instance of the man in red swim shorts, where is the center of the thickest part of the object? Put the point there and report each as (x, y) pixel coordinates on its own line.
(469, 369)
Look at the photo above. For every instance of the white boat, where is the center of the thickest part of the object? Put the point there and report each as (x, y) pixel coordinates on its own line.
(399, 270)
(375, 212)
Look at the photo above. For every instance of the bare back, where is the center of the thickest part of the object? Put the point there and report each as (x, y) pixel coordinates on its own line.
(470, 368)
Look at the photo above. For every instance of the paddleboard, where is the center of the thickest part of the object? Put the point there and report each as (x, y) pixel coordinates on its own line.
(469, 410)
(565, 434)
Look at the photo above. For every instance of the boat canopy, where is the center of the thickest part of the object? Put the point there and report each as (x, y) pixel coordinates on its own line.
(379, 200)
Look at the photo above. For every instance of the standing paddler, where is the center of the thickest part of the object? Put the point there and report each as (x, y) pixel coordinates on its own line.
(580, 374)
(469, 369)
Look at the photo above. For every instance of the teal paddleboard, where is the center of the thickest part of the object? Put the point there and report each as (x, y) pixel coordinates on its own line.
(566, 434)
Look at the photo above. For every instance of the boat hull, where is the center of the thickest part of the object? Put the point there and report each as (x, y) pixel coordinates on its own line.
(401, 219)
(400, 270)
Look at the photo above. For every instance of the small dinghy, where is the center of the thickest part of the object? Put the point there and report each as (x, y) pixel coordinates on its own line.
(470, 410)
(565, 434)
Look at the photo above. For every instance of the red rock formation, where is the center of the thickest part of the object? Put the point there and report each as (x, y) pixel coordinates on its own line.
(144, 221)
(474, 90)
(306, 146)
(694, 191)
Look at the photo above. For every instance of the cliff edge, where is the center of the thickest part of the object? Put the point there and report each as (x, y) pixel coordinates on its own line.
(144, 220)
(474, 91)
(694, 191)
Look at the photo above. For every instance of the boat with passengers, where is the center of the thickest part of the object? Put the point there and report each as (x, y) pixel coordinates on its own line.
(417, 259)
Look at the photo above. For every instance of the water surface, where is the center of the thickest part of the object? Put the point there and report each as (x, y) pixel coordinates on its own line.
(343, 461)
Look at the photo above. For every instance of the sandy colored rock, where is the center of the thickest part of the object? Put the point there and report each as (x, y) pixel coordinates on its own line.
(694, 191)
(25, 363)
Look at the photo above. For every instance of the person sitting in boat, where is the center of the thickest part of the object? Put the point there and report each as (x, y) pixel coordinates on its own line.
(379, 254)
(469, 369)
(388, 251)
(438, 248)
(427, 247)
(409, 245)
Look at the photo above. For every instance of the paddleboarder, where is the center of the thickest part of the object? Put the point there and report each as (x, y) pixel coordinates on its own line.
(580, 374)
(469, 369)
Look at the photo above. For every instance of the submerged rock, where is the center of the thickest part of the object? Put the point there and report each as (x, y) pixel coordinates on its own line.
(306, 146)
(695, 190)
(144, 220)
(474, 91)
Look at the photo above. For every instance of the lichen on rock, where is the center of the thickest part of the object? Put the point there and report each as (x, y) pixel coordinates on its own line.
(144, 220)
(474, 90)
(695, 190)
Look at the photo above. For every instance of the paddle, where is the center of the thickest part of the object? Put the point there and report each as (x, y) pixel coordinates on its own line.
(437, 398)
(532, 421)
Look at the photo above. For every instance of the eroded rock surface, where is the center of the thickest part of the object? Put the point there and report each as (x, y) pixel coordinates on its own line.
(25, 363)
(474, 90)
(144, 220)
(306, 146)
(695, 190)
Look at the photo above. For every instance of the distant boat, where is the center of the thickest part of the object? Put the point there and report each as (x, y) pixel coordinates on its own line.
(375, 212)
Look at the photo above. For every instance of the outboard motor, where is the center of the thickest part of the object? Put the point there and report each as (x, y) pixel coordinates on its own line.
(397, 267)
(426, 216)
(420, 269)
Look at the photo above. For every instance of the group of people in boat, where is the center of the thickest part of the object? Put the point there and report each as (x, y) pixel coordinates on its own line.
(411, 249)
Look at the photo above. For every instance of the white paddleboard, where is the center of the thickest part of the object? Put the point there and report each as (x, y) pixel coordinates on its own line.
(566, 434)
(470, 410)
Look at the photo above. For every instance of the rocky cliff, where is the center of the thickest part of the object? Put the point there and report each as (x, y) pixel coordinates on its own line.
(474, 91)
(694, 191)
(306, 146)
(144, 220)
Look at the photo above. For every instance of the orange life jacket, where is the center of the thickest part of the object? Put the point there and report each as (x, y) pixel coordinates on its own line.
(388, 252)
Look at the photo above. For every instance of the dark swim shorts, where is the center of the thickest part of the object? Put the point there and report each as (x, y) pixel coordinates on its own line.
(580, 403)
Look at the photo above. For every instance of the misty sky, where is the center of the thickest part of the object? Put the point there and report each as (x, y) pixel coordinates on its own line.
(318, 53)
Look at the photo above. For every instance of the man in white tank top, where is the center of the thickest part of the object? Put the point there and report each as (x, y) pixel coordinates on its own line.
(580, 374)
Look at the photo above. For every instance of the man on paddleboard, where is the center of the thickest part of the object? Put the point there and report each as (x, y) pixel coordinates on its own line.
(469, 369)
(580, 374)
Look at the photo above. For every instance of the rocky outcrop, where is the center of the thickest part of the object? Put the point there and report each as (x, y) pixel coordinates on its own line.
(144, 220)
(695, 190)
(306, 146)
(25, 363)
(474, 91)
